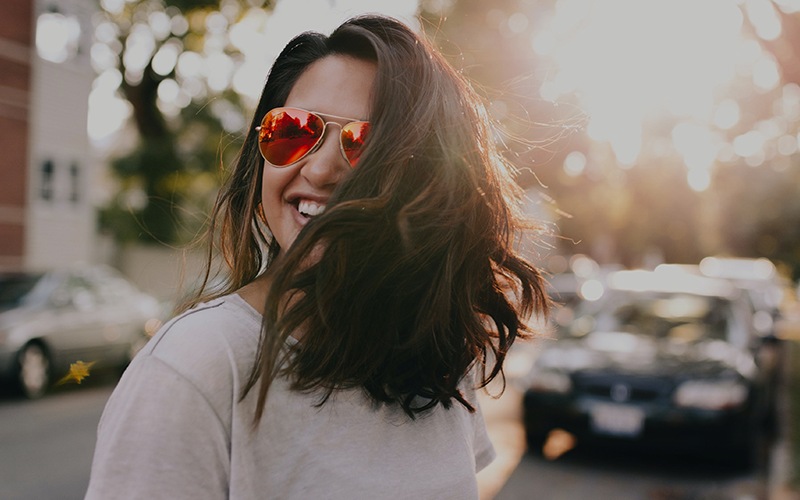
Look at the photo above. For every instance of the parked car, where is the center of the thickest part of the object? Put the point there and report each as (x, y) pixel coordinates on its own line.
(764, 290)
(761, 282)
(662, 359)
(49, 320)
(763, 286)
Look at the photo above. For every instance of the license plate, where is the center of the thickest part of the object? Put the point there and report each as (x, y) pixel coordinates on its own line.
(616, 420)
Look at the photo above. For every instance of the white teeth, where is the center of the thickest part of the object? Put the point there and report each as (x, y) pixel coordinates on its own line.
(310, 208)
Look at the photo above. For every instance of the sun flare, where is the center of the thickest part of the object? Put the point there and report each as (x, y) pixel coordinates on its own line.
(633, 63)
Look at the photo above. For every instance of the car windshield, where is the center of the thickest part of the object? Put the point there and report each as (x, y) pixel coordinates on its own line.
(15, 287)
(673, 316)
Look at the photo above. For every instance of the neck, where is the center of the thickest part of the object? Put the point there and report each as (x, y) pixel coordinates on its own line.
(255, 293)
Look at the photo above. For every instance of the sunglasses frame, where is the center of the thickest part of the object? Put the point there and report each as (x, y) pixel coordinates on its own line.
(323, 117)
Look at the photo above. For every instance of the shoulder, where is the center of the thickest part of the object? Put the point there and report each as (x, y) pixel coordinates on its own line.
(208, 343)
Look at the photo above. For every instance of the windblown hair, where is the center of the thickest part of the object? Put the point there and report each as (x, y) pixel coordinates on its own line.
(409, 278)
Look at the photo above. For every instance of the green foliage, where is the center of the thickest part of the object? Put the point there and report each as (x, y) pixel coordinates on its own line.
(618, 213)
(187, 5)
(646, 209)
(167, 184)
(168, 181)
(759, 208)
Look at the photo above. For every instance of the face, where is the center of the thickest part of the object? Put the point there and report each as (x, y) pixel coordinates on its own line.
(291, 196)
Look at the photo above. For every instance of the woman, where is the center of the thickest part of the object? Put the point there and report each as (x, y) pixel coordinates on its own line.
(368, 229)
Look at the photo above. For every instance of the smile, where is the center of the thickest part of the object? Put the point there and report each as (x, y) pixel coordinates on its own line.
(308, 208)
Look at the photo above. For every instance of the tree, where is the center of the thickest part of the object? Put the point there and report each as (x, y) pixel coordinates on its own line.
(187, 123)
(750, 207)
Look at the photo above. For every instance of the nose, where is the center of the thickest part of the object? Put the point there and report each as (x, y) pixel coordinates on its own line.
(326, 166)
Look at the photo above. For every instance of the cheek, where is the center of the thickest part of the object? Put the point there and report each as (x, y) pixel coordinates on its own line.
(273, 185)
(269, 186)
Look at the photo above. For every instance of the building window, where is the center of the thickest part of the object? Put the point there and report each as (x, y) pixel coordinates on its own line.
(74, 183)
(46, 186)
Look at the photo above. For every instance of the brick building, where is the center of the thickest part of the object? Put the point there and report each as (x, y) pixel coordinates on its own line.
(46, 215)
(16, 42)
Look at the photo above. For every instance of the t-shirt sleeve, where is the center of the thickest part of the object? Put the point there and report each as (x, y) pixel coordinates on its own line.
(481, 444)
(484, 450)
(159, 437)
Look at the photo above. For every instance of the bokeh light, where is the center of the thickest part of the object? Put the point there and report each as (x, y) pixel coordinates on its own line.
(629, 68)
(57, 36)
(211, 67)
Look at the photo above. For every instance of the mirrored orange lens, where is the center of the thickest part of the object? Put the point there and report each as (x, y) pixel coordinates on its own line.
(288, 134)
(354, 135)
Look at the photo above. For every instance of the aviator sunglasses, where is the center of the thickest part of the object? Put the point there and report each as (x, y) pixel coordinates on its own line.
(287, 135)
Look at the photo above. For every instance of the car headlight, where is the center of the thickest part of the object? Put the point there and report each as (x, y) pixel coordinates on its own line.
(549, 381)
(711, 394)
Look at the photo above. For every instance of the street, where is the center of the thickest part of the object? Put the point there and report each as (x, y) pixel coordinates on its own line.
(601, 474)
(46, 445)
(46, 450)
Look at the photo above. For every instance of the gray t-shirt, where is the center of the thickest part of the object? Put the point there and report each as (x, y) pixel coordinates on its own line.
(174, 428)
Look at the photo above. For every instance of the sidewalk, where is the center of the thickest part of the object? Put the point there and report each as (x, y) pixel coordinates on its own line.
(504, 424)
(784, 473)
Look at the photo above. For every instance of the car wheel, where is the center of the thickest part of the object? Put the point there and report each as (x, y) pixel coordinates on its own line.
(33, 371)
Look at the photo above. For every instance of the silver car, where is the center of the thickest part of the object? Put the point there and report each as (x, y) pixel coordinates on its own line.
(50, 321)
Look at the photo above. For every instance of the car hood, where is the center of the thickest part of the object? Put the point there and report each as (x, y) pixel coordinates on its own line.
(10, 318)
(15, 326)
(631, 353)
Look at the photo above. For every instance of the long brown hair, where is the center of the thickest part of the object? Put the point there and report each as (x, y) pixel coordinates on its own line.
(410, 276)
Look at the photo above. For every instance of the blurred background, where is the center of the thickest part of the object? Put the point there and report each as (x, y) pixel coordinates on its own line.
(658, 135)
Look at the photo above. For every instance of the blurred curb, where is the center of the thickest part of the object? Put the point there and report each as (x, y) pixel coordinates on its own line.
(503, 416)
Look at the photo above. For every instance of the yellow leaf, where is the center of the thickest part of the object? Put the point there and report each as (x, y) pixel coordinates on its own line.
(77, 372)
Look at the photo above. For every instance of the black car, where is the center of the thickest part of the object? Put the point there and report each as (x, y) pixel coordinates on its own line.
(659, 359)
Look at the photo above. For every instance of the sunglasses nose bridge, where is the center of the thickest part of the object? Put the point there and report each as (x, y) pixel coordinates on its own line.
(323, 136)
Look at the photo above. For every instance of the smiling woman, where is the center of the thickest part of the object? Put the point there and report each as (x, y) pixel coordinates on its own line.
(367, 227)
